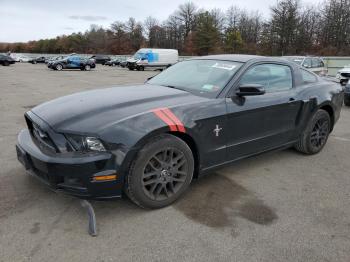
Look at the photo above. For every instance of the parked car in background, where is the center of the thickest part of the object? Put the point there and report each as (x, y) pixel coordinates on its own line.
(347, 94)
(151, 57)
(149, 141)
(101, 59)
(6, 60)
(344, 75)
(313, 64)
(124, 64)
(53, 59)
(23, 59)
(73, 62)
(40, 59)
(113, 62)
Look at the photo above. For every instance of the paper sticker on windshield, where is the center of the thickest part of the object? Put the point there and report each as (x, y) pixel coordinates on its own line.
(224, 66)
(209, 87)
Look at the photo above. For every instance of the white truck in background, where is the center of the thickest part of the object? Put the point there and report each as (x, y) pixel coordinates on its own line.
(153, 58)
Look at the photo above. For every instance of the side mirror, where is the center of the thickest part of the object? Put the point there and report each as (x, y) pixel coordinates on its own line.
(250, 90)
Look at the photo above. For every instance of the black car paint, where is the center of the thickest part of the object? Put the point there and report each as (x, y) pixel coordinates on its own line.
(347, 94)
(101, 59)
(6, 60)
(40, 59)
(123, 119)
(67, 64)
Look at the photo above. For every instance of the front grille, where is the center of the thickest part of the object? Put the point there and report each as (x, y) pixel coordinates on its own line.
(345, 74)
(41, 137)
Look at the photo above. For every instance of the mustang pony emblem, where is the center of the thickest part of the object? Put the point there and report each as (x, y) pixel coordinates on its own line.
(217, 130)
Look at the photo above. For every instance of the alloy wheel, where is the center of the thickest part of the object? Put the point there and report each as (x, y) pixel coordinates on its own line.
(164, 174)
(319, 133)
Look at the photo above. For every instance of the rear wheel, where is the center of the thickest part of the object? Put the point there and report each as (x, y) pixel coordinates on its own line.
(6, 63)
(161, 172)
(315, 136)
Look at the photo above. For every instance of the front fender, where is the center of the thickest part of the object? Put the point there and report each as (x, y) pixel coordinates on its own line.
(129, 135)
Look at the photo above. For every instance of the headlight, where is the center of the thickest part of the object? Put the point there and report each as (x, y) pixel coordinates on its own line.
(94, 144)
(85, 143)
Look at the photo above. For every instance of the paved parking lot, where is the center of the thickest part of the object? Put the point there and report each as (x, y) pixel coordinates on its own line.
(279, 206)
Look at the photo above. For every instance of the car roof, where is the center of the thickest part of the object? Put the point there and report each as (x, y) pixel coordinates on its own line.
(241, 58)
(301, 56)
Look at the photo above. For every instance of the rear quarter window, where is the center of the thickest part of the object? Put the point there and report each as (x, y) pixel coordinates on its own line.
(308, 77)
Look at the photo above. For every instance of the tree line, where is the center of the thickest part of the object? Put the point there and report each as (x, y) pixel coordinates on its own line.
(292, 28)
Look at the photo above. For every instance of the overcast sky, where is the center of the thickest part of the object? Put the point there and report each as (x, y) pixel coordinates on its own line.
(24, 20)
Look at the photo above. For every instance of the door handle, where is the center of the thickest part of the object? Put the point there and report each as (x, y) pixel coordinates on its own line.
(291, 100)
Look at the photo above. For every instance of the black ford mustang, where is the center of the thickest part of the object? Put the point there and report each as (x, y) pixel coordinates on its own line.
(150, 140)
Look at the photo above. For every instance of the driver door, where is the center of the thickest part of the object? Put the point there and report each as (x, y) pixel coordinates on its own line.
(262, 122)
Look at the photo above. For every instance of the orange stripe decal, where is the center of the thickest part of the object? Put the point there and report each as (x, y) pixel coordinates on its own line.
(165, 119)
(175, 119)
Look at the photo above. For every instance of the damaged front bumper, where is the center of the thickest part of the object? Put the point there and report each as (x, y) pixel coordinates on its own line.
(73, 173)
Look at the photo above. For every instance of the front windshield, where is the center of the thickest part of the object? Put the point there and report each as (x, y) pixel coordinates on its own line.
(207, 77)
(139, 55)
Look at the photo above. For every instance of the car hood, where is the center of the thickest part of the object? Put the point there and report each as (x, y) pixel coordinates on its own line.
(344, 70)
(92, 111)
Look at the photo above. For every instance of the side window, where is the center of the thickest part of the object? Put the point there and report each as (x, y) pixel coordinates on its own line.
(307, 63)
(272, 77)
(308, 77)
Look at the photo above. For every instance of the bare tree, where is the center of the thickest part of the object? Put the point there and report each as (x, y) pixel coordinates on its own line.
(186, 14)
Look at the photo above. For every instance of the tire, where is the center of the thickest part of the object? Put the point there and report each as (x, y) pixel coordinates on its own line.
(6, 63)
(59, 67)
(347, 100)
(87, 67)
(343, 82)
(315, 136)
(154, 181)
(34, 62)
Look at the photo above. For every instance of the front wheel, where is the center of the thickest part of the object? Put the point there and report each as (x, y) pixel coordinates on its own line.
(6, 63)
(87, 67)
(161, 172)
(315, 136)
(58, 67)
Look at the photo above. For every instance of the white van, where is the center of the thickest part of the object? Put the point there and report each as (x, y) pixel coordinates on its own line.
(155, 58)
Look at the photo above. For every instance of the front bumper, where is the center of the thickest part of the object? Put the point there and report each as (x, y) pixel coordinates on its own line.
(70, 173)
(342, 78)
